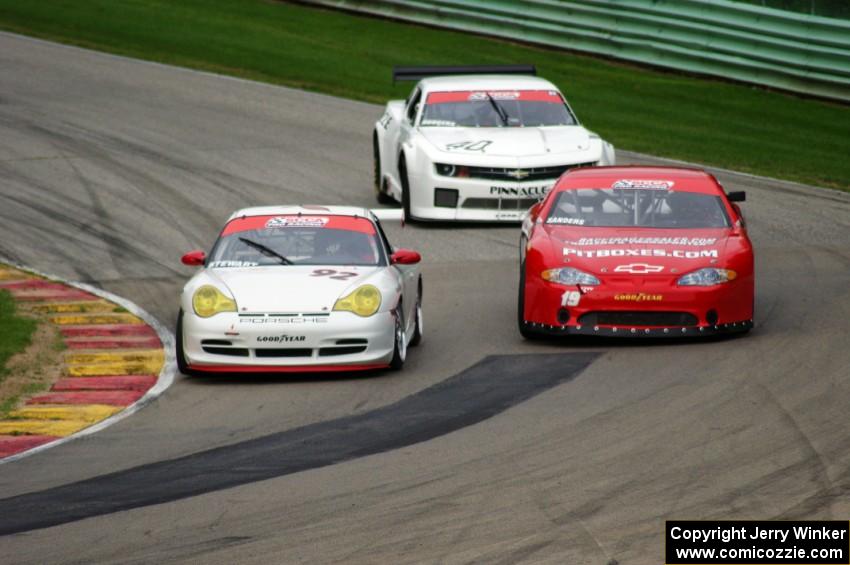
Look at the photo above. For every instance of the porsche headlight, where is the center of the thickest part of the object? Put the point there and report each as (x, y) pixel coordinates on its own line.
(709, 276)
(569, 276)
(209, 301)
(364, 301)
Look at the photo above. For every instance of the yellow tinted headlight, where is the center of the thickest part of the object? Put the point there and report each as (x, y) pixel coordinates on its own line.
(209, 301)
(364, 301)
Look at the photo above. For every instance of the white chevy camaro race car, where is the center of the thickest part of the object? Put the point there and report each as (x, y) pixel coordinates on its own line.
(476, 147)
(300, 288)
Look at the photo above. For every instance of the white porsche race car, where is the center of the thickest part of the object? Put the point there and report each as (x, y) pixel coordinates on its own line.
(477, 147)
(300, 288)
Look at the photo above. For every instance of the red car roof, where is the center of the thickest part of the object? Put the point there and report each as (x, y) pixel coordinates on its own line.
(683, 179)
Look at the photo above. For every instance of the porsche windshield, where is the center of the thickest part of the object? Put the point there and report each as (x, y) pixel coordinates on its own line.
(297, 240)
(614, 207)
(496, 108)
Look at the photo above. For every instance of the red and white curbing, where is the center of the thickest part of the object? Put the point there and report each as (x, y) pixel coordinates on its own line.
(126, 392)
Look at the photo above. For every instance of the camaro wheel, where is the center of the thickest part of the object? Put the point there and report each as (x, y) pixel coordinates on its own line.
(417, 328)
(380, 195)
(400, 349)
(405, 190)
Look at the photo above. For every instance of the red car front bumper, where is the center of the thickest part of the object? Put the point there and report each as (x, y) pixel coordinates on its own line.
(638, 307)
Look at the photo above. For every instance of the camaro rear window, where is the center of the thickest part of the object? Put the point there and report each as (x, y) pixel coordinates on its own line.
(615, 207)
(496, 108)
(297, 240)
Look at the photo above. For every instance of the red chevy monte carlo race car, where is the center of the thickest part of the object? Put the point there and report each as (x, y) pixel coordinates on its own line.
(635, 251)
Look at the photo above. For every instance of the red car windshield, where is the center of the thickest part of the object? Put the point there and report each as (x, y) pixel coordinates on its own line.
(297, 240)
(496, 108)
(613, 207)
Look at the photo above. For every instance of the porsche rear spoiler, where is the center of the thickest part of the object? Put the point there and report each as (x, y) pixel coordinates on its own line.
(416, 73)
(389, 214)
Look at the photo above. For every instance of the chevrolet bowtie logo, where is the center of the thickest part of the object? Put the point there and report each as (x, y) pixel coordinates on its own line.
(638, 268)
(518, 174)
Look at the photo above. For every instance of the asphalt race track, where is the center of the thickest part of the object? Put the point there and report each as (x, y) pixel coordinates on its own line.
(556, 452)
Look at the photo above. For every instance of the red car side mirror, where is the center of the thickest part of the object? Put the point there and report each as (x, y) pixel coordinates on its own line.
(405, 257)
(194, 258)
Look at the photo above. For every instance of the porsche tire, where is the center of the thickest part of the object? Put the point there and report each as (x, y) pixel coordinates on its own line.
(400, 342)
(416, 339)
(182, 365)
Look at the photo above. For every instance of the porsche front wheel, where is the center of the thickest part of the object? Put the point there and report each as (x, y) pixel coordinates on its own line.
(182, 365)
(400, 341)
(416, 338)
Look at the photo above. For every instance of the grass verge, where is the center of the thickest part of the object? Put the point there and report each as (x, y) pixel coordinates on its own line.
(30, 353)
(15, 331)
(665, 114)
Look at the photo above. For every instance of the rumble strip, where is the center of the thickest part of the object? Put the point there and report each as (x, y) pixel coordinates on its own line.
(117, 359)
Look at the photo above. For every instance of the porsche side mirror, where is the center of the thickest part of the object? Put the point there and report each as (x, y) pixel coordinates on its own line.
(194, 258)
(739, 196)
(405, 257)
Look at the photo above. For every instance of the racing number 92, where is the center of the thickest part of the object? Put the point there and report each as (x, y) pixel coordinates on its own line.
(336, 275)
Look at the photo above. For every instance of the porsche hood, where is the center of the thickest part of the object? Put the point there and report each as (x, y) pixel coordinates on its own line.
(291, 289)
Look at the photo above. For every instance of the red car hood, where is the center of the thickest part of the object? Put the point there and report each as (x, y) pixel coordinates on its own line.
(629, 251)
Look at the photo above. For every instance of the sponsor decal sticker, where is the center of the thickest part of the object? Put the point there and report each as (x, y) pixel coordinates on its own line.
(297, 221)
(215, 264)
(478, 96)
(689, 241)
(283, 320)
(538, 191)
(440, 123)
(626, 184)
(675, 253)
(495, 94)
(639, 297)
(338, 222)
(283, 338)
(568, 221)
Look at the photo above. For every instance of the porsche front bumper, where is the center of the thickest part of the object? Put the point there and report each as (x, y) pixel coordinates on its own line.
(288, 342)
